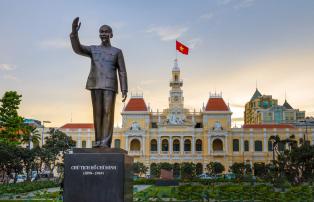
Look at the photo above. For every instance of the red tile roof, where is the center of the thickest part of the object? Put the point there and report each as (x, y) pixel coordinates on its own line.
(216, 104)
(77, 125)
(136, 104)
(268, 126)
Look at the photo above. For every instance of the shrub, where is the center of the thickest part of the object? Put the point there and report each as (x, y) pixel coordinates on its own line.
(26, 187)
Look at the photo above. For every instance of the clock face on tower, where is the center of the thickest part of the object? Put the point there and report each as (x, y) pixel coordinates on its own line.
(176, 98)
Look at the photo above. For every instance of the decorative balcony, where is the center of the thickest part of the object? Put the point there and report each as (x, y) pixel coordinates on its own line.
(164, 152)
(135, 153)
(219, 153)
(176, 152)
(153, 152)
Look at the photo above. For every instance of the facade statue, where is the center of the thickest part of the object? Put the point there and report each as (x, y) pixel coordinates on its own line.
(106, 62)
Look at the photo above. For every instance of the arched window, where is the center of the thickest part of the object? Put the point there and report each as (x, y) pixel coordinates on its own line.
(117, 143)
(246, 145)
(235, 145)
(164, 145)
(187, 145)
(135, 145)
(153, 145)
(83, 144)
(217, 145)
(198, 145)
(258, 146)
(176, 145)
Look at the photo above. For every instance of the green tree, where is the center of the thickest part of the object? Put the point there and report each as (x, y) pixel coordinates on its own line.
(187, 170)
(139, 168)
(154, 170)
(215, 168)
(30, 134)
(176, 170)
(260, 169)
(199, 169)
(28, 158)
(56, 145)
(14, 164)
(10, 122)
(240, 169)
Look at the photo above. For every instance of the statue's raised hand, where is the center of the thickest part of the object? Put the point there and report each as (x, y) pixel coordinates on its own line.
(76, 25)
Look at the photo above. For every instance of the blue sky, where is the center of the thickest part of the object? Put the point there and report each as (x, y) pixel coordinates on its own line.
(234, 43)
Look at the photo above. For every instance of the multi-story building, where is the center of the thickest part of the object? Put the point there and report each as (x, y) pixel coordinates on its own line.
(263, 109)
(177, 134)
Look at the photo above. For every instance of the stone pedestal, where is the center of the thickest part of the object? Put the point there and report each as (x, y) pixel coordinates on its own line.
(98, 175)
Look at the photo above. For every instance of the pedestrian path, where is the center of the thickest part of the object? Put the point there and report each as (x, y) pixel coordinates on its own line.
(138, 188)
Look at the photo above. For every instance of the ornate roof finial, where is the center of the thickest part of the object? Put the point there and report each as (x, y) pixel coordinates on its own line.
(285, 95)
(176, 66)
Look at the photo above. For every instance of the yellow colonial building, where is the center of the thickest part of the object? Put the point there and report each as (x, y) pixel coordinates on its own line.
(177, 134)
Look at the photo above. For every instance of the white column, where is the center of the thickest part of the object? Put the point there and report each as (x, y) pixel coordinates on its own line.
(193, 144)
(226, 144)
(88, 145)
(242, 143)
(143, 147)
(170, 144)
(265, 140)
(182, 145)
(79, 142)
(251, 140)
(159, 145)
(209, 139)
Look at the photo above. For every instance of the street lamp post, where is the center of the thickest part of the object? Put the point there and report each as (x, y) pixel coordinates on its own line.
(42, 134)
(305, 135)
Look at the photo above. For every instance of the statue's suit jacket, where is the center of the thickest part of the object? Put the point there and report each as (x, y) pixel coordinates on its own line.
(105, 63)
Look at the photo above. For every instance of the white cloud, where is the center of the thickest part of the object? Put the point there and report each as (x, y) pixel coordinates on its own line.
(168, 33)
(237, 4)
(10, 77)
(244, 4)
(194, 42)
(207, 16)
(7, 67)
(118, 25)
(225, 2)
(55, 43)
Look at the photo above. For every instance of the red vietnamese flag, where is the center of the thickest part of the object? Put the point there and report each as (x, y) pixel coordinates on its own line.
(182, 48)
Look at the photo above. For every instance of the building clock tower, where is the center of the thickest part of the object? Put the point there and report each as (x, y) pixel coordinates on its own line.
(176, 100)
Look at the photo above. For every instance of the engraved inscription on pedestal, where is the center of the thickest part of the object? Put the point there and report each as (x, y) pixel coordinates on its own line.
(98, 177)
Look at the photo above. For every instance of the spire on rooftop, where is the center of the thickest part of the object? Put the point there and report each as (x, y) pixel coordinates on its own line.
(287, 105)
(256, 94)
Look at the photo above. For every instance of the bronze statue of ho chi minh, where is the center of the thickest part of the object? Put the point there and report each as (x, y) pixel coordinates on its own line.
(106, 61)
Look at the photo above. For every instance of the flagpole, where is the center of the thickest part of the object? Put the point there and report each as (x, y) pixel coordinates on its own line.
(176, 50)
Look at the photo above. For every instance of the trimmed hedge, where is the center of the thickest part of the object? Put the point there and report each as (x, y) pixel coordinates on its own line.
(26, 187)
(226, 192)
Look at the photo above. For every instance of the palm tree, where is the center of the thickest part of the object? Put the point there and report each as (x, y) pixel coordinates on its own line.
(30, 134)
